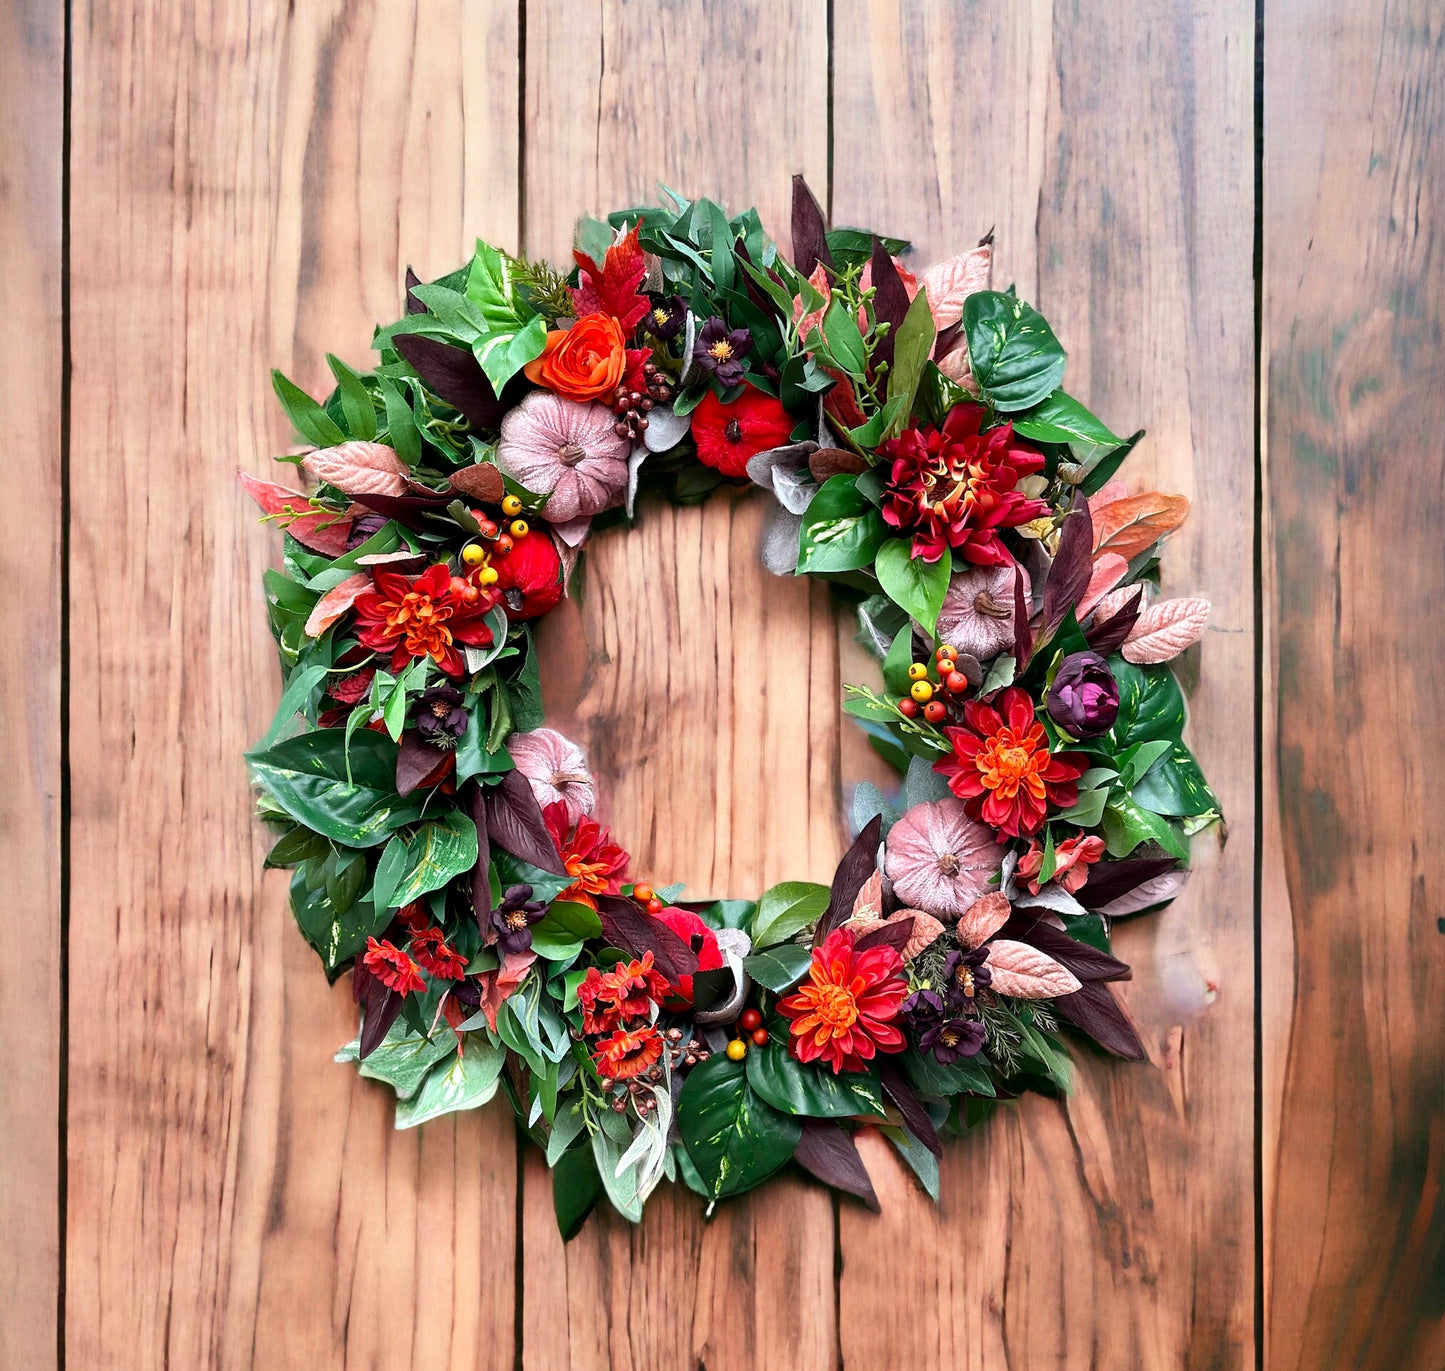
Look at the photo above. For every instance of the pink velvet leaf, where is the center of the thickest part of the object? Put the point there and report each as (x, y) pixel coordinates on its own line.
(950, 283)
(982, 919)
(358, 468)
(1025, 972)
(1165, 629)
(331, 606)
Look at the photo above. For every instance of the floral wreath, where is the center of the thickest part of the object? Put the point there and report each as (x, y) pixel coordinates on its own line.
(924, 458)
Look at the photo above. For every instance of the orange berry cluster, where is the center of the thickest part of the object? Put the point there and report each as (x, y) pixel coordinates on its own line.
(477, 555)
(750, 1030)
(931, 697)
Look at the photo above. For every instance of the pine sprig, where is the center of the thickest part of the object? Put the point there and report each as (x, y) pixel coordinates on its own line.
(543, 287)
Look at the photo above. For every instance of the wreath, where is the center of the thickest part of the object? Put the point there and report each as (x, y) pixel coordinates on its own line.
(923, 457)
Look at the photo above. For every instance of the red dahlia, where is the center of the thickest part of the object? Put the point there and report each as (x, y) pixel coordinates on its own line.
(595, 863)
(628, 1052)
(1002, 767)
(392, 967)
(845, 1011)
(627, 991)
(727, 435)
(954, 487)
(437, 958)
(423, 616)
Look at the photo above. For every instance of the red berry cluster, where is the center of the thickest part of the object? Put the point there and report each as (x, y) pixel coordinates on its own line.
(936, 702)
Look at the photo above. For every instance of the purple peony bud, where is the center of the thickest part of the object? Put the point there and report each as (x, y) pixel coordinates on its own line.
(1084, 698)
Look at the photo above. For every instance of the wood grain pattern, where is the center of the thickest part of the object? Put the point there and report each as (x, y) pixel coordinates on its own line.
(248, 185)
(32, 80)
(1355, 310)
(705, 691)
(1123, 209)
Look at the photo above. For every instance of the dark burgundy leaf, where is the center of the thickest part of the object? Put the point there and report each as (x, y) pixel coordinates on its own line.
(829, 1152)
(755, 291)
(416, 759)
(413, 305)
(1109, 636)
(890, 301)
(1094, 1009)
(1023, 638)
(895, 934)
(945, 340)
(633, 930)
(896, 1087)
(1072, 565)
(379, 1005)
(1108, 880)
(810, 243)
(859, 862)
(455, 375)
(515, 823)
(410, 510)
(1085, 961)
(481, 873)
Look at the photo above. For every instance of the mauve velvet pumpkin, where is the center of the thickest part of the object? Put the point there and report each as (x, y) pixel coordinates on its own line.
(939, 859)
(570, 449)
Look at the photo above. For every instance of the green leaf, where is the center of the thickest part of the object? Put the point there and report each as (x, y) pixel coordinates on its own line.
(468, 1081)
(311, 421)
(911, 346)
(805, 1088)
(576, 1188)
(840, 332)
(841, 530)
(306, 776)
(403, 1058)
(787, 909)
(721, 255)
(473, 759)
(898, 660)
(1059, 418)
(440, 850)
(735, 1139)
(515, 335)
(1125, 826)
(294, 699)
(967, 1075)
(401, 429)
(394, 863)
(566, 922)
(1151, 705)
(1088, 809)
(503, 355)
(356, 404)
(298, 845)
(779, 968)
(336, 934)
(1016, 359)
(918, 1157)
(915, 586)
(1175, 786)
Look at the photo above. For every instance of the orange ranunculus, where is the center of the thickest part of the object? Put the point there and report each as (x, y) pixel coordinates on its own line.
(584, 362)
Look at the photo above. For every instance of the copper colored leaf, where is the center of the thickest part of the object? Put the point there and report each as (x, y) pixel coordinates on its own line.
(482, 483)
(321, 530)
(982, 919)
(950, 283)
(1127, 527)
(331, 606)
(358, 468)
(1165, 629)
(1109, 569)
(925, 932)
(868, 904)
(1025, 972)
(833, 461)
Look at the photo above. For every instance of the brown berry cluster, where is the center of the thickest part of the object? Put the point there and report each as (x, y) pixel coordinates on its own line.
(681, 1051)
(631, 407)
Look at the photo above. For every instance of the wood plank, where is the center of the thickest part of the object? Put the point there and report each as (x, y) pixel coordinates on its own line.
(249, 182)
(705, 690)
(32, 80)
(1113, 154)
(1354, 280)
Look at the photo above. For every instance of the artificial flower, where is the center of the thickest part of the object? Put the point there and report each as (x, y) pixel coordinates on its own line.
(551, 444)
(424, 616)
(392, 967)
(529, 576)
(512, 920)
(954, 487)
(846, 1012)
(665, 317)
(728, 434)
(977, 616)
(939, 859)
(950, 1039)
(440, 718)
(719, 351)
(1072, 859)
(965, 973)
(1002, 768)
(921, 1010)
(703, 943)
(1084, 698)
(628, 1052)
(595, 863)
(625, 991)
(584, 362)
(437, 958)
(556, 769)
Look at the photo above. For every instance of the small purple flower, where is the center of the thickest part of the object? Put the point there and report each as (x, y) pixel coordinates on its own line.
(665, 317)
(953, 1038)
(964, 975)
(922, 1010)
(721, 352)
(513, 919)
(1084, 698)
(440, 718)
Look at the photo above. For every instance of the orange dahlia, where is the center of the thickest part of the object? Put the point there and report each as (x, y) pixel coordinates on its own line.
(392, 967)
(1002, 769)
(628, 1052)
(846, 1011)
(627, 991)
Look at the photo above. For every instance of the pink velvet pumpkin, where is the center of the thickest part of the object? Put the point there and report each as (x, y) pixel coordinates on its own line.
(549, 444)
(939, 859)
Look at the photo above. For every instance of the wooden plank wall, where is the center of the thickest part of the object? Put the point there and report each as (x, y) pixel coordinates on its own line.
(246, 184)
